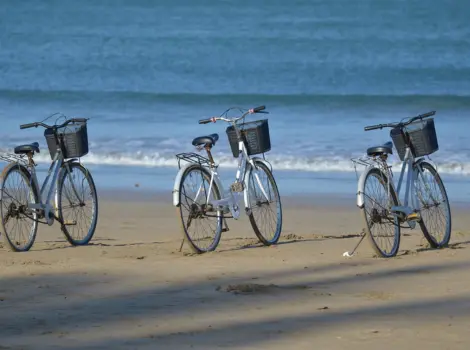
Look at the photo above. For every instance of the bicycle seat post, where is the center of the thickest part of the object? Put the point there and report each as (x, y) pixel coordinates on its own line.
(30, 159)
(208, 147)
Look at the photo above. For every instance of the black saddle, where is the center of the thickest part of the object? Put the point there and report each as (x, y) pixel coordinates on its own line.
(209, 140)
(24, 149)
(386, 148)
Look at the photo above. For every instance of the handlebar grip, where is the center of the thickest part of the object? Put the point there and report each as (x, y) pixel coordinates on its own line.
(258, 109)
(426, 115)
(205, 121)
(29, 125)
(373, 127)
(79, 120)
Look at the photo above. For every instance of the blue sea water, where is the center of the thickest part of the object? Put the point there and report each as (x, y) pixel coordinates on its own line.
(145, 71)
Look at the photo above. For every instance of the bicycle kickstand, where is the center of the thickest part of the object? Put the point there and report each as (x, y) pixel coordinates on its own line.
(181, 246)
(348, 254)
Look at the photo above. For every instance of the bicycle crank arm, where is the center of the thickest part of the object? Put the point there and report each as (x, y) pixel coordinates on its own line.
(35, 206)
(70, 222)
(413, 217)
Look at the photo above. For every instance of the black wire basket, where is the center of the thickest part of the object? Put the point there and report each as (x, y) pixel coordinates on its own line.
(254, 134)
(421, 135)
(74, 137)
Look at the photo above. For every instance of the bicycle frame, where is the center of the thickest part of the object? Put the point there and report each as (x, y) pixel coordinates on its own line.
(51, 179)
(408, 163)
(233, 199)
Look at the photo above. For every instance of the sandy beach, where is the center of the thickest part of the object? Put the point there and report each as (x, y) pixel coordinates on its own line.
(132, 288)
(147, 76)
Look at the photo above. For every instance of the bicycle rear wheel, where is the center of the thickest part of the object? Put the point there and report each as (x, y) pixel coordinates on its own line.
(433, 204)
(77, 203)
(19, 224)
(264, 204)
(382, 227)
(201, 222)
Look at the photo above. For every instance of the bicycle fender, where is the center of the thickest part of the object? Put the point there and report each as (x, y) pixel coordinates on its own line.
(419, 161)
(247, 176)
(72, 160)
(177, 184)
(360, 187)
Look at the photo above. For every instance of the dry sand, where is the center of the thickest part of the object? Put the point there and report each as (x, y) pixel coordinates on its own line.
(132, 288)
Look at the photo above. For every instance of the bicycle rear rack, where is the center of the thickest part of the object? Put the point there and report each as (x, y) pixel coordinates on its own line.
(193, 158)
(367, 161)
(14, 158)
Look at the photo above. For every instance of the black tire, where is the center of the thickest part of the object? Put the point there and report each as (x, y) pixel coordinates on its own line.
(258, 204)
(16, 204)
(430, 205)
(377, 213)
(72, 204)
(196, 214)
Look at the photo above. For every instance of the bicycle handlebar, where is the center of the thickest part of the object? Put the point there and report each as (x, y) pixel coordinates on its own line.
(259, 109)
(29, 125)
(400, 124)
(36, 124)
(208, 120)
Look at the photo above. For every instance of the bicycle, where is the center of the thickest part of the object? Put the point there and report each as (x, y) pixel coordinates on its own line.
(21, 201)
(413, 139)
(204, 204)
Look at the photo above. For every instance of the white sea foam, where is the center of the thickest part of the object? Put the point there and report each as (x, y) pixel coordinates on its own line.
(279, 162)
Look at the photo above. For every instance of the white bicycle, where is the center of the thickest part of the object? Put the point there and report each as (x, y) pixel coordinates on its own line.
(199, 196)
(379, 200)
(23, 205)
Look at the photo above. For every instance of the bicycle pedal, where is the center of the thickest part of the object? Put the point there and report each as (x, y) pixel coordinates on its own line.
(237, 187)
(226, 229)
(413, 217)
(70, 222)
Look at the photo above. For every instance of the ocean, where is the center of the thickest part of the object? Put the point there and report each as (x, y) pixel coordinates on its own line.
(145, 72)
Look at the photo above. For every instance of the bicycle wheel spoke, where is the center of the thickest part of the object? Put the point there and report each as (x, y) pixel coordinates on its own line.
(19, 226)
(433, 206)
(200, 224)
(78, 206)
(266, 213)
(382, 226)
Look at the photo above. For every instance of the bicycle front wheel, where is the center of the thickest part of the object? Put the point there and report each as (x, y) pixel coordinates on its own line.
(265, 210)
(432, 201)
(201, 222)
(19, 223)
(77, 203)
(383, 228)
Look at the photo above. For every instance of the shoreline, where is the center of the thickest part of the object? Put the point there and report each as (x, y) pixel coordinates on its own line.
(333, 200)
